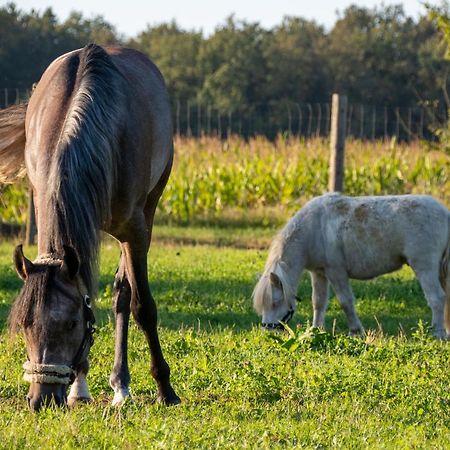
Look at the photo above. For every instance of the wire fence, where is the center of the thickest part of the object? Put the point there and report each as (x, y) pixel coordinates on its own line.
(304, 120)
(193, 118)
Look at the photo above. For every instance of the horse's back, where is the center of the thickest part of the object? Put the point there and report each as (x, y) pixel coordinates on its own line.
(147, 141)
(378, 234)
(133, 113)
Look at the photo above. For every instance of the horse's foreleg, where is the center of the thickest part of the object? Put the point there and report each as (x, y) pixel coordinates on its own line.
(319, 298)
(341, 285)
(119, 379)
(79, 391)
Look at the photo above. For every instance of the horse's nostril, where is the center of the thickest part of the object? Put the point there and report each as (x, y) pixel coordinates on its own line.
(34, 403)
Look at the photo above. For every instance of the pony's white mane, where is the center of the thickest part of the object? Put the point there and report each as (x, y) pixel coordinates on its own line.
(262, 294)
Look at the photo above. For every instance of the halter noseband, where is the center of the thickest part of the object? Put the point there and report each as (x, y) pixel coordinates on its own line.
(60, 373)
(285, 319)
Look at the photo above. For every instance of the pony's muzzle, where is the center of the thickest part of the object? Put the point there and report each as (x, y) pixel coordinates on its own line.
(44, 395)
(272, 326)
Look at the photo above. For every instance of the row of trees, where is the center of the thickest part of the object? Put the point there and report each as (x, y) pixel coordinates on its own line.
(376, 56)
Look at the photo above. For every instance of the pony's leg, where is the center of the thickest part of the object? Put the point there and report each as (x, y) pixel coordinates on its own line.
(79, 391)
(119, 379)
(319, 298)
(435, 295)
(341, 285)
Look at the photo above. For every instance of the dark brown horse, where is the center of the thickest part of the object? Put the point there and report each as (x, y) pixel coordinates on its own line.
(98, 152)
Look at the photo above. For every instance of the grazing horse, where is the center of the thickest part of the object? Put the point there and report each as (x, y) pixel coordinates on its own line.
(96, 142)
(337, 238)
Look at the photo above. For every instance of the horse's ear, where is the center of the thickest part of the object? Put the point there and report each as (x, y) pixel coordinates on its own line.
(71, 263)
(275, 280)
(23, 265)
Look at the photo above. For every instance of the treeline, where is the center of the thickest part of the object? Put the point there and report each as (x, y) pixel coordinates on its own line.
(377, 57)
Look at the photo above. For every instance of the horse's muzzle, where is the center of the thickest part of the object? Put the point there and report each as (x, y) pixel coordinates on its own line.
(43, 395)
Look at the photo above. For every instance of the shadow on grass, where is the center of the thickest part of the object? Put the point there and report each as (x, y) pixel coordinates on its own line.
(390, 303)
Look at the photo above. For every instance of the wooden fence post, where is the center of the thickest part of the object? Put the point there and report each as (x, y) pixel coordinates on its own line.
(31, 220)
(337, 143)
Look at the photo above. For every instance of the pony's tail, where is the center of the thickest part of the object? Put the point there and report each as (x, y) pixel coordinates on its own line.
(445, 280)
(12, 142)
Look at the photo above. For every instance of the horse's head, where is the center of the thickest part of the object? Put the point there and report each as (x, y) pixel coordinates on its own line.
(54, 312)
(274, 298)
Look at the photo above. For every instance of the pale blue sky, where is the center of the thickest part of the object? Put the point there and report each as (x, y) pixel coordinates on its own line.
(132, 16)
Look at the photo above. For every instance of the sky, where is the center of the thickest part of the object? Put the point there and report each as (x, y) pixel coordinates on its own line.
(132, 16)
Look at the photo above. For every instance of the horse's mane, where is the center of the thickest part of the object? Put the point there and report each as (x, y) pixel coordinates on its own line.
(35, 289)
(84, 165)
(262, 294)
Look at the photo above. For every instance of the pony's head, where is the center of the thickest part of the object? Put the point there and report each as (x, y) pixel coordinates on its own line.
(54, 313)
(274, 297)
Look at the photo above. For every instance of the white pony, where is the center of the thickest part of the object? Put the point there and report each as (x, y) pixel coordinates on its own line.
(336, 238)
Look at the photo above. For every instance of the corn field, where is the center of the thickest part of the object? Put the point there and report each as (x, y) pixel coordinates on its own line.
(259, 178)
(266, 181)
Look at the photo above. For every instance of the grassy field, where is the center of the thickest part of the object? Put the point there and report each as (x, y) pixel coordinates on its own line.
(240, 387)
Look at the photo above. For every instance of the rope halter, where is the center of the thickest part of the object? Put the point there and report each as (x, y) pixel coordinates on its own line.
(48, 259)
(47, 373)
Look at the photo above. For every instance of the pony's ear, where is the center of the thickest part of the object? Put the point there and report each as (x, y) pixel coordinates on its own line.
(23, 265)
(275, 280)
(71, 263)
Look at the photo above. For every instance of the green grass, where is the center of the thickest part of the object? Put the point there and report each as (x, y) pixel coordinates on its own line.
(239, 387)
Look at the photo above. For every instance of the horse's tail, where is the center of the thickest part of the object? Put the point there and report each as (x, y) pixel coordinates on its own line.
(12, 142)
(445, 280)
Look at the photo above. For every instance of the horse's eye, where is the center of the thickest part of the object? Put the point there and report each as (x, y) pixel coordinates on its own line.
(72, 324)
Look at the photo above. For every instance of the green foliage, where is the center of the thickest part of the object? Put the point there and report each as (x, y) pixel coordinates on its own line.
(13, 203)
(376, 56)
(241, 389)
(176, 53)
(30, 41)
(440, 15)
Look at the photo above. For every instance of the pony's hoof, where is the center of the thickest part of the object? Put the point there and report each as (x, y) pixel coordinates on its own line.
(357, 333)
(121, 397)
(74, 401)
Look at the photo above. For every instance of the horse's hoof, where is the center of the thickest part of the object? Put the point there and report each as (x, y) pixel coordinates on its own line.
(73, 401)
(170, 399)
(441, 336)
(121, 396)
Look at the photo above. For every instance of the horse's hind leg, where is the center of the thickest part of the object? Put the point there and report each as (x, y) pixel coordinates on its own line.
(341, 285)
(319, 298)
(435, 295)
(119, 379)
(143, 306)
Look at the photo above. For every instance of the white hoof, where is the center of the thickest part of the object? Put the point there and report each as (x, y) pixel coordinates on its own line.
(79, 391)
(121, 396)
